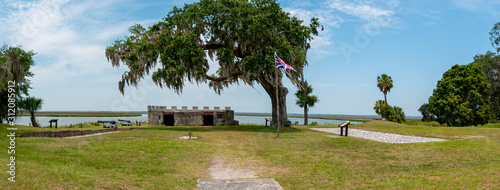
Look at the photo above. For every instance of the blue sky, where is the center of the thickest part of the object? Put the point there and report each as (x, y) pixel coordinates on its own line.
(414, 42)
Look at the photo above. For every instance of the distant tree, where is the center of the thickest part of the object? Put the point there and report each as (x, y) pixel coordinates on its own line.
(306, 100)
(491, 68)
(384, 83)
(396, 115)
(461, 97)
(240, 35)
(15, 65)
(426, 113)
(495, 37)
(379, 106)
(31, 105)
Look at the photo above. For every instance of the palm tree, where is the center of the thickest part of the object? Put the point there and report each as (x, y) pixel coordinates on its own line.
(31, 105)
(384, 83)
(305, 100)
(379, 106)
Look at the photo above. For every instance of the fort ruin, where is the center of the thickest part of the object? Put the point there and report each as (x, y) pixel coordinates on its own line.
(160, 115)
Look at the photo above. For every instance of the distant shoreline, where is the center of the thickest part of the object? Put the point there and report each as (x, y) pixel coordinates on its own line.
(332, 117)
(139, 113)
(85, 114)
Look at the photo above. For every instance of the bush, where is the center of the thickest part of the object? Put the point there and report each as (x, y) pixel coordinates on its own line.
(287, 123)
(314, 123)
(433, 123)
(462, 97)
(395, 114)
(386, 111)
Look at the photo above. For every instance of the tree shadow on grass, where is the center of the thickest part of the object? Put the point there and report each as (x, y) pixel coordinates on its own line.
(242, 128)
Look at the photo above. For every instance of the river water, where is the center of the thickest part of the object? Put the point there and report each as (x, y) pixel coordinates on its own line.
(65, 121)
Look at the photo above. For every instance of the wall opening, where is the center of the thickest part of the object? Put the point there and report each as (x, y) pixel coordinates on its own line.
(208, 119)
(168, 119)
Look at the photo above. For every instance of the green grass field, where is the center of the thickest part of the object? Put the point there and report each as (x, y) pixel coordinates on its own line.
(152, 158)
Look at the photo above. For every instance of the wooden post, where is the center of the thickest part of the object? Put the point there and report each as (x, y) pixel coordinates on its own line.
(277, 104)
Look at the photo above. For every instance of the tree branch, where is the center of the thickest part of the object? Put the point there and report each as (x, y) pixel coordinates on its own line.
(223, 78)
(211, 46)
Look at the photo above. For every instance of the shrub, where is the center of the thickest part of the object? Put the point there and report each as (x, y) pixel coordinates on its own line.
(287, 123)
(314, 123)
(433, 123)
(386, 111)
(396, 114)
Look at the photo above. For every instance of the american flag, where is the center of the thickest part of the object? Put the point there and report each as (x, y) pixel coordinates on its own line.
(281, 64)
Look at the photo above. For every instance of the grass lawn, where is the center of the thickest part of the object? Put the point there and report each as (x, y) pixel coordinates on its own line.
(152, 158)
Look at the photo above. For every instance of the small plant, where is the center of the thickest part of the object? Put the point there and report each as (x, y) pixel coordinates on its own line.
(396, 115)
(314, 123)
(287, 123)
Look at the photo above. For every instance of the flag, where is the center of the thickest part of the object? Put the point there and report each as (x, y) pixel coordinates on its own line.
(281, 64)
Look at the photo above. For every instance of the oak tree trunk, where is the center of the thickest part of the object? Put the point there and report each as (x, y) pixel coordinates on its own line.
(269, 85)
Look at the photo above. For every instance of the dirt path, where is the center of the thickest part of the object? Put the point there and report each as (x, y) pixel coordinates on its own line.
(219, 169)
(224, 176)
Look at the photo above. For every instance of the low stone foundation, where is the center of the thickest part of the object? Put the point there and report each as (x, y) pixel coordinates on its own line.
(161, 115)
(61, 134)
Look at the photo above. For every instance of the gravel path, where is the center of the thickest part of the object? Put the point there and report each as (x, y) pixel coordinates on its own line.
(95, 134)
(379, 136)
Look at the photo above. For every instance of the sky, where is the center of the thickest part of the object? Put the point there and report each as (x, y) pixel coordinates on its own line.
(413, 41)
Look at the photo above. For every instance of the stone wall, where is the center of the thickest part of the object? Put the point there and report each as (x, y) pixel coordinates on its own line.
(70, 133)
(158, 115)
(188, 118)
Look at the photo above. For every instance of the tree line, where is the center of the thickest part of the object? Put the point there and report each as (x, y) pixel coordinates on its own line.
(468, 94)
(15, 65)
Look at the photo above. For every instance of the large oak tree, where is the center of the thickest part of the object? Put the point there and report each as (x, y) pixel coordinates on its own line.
(461, 98)
(240, 35)
(15, 64)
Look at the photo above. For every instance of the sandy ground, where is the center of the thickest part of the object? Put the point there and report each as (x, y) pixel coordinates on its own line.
(220, 170)
(224, 176)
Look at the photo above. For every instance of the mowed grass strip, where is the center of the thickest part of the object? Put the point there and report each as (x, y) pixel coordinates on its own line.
(152, 158)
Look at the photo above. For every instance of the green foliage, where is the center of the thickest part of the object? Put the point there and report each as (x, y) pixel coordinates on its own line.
(314, 123)
(396, 114)
(386, 111)
(495, 37)
(426, 113)
(384, 83)
(491, 68)
(15, 64)
(461, 97)
(379, 107)
(241, 35)
(31, 105)
(305, 99)
(288, 123)
(432, 123)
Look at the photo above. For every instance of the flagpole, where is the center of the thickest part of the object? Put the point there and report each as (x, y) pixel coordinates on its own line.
(277, 104)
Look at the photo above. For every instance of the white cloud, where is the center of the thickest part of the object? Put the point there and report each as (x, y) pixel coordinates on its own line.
(487, 6)
(321, 44)
(360, 10)
(70, 38)
(326, 17)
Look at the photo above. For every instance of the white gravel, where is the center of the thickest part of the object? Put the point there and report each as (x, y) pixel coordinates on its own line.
(95, 134)
(379, 136)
